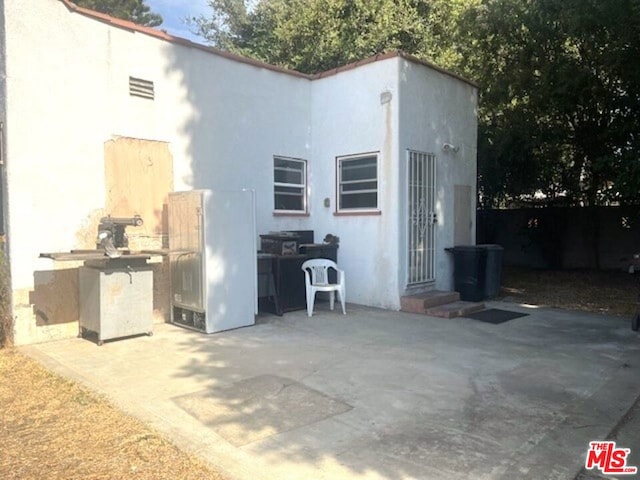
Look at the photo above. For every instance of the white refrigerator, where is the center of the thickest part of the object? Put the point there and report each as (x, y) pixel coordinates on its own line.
(213, 259)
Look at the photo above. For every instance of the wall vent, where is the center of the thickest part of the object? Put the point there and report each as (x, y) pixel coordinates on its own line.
(141, 88)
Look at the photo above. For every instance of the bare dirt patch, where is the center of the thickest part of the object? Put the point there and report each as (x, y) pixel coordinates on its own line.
(53, 428)
(606, 292)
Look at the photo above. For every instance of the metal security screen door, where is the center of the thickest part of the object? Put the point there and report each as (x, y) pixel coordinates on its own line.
(421, 217)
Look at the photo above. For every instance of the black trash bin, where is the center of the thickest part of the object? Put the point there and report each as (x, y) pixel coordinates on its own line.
(469, 271)
(493, 274)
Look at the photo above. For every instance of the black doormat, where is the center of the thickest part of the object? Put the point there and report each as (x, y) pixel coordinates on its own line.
(495, 316)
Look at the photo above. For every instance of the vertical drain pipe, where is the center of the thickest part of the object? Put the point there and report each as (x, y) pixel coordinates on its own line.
(6, 303)
(3, 123)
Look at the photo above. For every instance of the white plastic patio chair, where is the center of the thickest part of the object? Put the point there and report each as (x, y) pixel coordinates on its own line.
(316, 277)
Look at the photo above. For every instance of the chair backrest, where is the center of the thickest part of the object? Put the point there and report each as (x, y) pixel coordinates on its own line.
(319, 270)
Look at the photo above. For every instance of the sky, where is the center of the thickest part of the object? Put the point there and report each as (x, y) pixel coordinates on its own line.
(174, 12)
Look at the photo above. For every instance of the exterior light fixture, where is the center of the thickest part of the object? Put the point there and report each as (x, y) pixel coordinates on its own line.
(385, 97)
(447, 147)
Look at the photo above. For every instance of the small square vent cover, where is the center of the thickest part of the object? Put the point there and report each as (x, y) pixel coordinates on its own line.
(141, 88)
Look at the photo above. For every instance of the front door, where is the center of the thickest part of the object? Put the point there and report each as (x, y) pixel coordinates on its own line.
(421, 218)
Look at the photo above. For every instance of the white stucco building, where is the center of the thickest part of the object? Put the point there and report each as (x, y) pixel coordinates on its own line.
(103, 116)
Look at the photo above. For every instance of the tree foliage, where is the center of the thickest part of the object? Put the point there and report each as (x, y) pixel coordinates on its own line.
(315, 35)
(136, 11)
(560, 81)
(561, 100)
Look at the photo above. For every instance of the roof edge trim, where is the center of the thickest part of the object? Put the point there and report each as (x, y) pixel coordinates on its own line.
(414, 59)
(393, 54)
(162, 35)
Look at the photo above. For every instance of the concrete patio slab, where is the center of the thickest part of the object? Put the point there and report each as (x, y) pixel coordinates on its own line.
(376, 394)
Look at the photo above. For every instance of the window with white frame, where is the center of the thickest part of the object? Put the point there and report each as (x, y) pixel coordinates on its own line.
(358, 182)
(290, 185)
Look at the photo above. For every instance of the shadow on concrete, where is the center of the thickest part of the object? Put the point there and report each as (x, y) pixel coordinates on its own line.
(428, 398)
(396, 396)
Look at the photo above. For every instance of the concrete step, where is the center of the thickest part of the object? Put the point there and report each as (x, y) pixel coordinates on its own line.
(455, 309)
(421, 302)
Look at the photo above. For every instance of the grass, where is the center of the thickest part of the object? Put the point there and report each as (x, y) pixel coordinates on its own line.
(606, 292)
(51, 428)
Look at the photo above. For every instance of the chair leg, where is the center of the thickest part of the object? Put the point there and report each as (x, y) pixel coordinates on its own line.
(311, 296)
(342, 300)
(332, 299)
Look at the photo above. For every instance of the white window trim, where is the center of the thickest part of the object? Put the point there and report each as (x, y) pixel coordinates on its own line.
(304, 185)
(339, 183)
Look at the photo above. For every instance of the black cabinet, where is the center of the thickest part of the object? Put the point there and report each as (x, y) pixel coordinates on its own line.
(284, 274)
(320, 250)
(267, 294)
(290, 285)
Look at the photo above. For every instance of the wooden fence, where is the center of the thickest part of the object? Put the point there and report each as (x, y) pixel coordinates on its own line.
(563, 238)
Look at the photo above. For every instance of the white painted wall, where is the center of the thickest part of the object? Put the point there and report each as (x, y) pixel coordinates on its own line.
(436, 108)
(348, 118)
(67, 93)
(224, 119)
(67, 86)
(54, 147)
(56, 126)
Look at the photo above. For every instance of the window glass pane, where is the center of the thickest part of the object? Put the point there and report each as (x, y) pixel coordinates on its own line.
(354, 187)
(288, 172)
(358, 183)
(288, 175)
(289, 198)
(295, 191)
(288, 201)
(359, 169)
(361, 200)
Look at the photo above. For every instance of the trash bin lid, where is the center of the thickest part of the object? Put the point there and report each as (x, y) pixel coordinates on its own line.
(491, 246)
(465, 248)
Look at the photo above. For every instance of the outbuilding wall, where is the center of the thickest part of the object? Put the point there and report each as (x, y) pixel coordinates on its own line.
(68, 94)
(438, 108)
(217, 122)
(356, 112)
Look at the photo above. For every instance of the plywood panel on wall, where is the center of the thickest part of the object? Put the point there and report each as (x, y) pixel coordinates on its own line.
(139, 176)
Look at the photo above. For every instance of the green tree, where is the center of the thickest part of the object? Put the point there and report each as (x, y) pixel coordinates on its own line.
(560, 82)
(561, 99)
(136, 11)
(316, 35)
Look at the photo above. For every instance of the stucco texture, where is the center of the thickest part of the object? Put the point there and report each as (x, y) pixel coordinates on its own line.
(217, 123)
